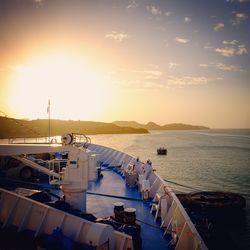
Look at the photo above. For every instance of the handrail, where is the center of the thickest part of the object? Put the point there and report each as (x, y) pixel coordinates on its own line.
(81, 139)
(35, 140)
(78, 139)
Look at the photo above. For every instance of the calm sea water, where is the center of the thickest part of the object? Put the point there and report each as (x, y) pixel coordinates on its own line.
(217, 160)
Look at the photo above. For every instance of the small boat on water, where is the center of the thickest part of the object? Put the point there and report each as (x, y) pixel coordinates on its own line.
(91, 199)
(162, 151)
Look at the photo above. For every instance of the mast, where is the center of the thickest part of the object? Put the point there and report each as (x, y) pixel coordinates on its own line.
(48, 111)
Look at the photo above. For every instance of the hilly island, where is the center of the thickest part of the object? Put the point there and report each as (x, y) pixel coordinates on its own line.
(154, 126)
(12, 128)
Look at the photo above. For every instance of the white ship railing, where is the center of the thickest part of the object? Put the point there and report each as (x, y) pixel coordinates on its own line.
(175, 220)
(35, 140)
(78, 139)
(25, 213)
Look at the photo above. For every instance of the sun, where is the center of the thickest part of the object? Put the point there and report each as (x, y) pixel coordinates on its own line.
(76, 89)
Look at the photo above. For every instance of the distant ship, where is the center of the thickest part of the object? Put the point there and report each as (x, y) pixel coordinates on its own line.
(95, 197)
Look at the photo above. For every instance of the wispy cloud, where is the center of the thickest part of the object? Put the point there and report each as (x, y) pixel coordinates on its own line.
(181, 40)
(219, 26)
(142, 79)
(149, 74)
(232, 48)
(152, 85)
(224, 67)
(154, 10)
(188, 80)
(235, 68)
(132, 4)
(168, 13)
(172, 65)
(204, 65)
(140, 84)
(119, 37)
(38, 3)
(208, 47)
(238, 18)
(155, 66)
(226, 51)
(233, 42)
(187, 20)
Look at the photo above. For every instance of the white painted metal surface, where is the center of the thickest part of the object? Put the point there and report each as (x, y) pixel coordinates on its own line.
(175, 220)
(80, 166)
(28, 214)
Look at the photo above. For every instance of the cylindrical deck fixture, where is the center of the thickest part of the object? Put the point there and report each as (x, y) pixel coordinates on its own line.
(119, 211)
(129, 215)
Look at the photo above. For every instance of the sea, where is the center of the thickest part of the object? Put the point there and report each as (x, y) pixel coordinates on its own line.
(209, 160)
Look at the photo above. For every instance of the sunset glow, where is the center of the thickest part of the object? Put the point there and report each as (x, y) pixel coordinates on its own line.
(74, 89)
(162, 61)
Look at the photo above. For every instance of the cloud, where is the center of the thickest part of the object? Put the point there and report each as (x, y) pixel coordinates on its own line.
(172, 65)
(239, 18)
(38, 2)
(227, 52)
(140, 84)
(132, 4)
(235, 68)
(154, 10)
(152, 85)
(233, 49)
(187, 20)
(181, 40)
(204, 65)
(208, 47)
(187, 80)
(119, 37)
(233, 42)
(224, 67)
(168, 13)
(219, 26)
(149, 74)
(141, 79)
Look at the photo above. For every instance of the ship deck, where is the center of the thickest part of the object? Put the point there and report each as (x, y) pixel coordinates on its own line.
(101, 206)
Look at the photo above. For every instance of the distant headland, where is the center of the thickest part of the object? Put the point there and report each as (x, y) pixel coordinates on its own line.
(154, 126)
(12, 128)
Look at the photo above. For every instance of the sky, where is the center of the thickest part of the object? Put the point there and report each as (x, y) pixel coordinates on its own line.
(167, 61)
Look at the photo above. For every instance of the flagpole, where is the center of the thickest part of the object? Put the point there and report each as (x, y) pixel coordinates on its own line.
(48, 110)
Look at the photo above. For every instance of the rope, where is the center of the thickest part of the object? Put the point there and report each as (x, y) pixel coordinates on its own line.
(119, 197)
(11, 181)
(181, 185)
